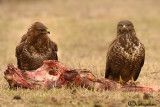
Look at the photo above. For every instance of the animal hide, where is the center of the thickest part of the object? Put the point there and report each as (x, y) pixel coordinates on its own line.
(53, 74)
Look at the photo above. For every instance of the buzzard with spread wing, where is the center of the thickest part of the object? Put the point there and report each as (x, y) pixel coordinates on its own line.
(126, 55)
(35, 47)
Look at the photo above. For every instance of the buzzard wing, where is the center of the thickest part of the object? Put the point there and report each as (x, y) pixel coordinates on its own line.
(108, 70)
(24, 37)
(19, 50)
(54, 48)
(139, 70)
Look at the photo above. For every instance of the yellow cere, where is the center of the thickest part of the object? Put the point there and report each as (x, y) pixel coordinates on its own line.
(124, 26)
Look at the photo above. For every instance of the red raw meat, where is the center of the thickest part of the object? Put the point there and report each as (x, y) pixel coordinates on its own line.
(55, 74)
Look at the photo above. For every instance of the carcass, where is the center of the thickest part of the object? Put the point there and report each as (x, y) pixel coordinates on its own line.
(54, 74)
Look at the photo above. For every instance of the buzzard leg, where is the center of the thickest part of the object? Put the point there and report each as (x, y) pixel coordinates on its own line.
(133, 82)
(121, 80)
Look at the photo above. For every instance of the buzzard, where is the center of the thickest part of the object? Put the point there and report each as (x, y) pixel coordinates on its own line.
(35, 47)
(126, 55)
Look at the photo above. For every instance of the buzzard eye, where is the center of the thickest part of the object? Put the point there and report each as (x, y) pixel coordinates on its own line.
(129, 25)
(120, 25)
(42, 30)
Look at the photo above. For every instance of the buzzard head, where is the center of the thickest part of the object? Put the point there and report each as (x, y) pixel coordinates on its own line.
(125, 26)
(38, 29)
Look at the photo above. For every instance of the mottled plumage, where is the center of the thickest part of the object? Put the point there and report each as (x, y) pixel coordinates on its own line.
(35, 47)
(125, 55)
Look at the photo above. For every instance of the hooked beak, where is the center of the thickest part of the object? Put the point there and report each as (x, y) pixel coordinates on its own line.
(124, 28)
(47, 31)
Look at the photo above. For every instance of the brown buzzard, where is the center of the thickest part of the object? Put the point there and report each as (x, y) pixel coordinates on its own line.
(35, 47)
(126, 55)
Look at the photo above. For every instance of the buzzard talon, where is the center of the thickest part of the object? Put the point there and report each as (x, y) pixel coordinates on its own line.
(133, 82)
(121, 80)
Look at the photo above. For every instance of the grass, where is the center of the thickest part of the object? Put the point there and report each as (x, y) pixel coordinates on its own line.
(83, 31)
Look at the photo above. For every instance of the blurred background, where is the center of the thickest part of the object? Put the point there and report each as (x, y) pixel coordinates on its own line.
(83, 29)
